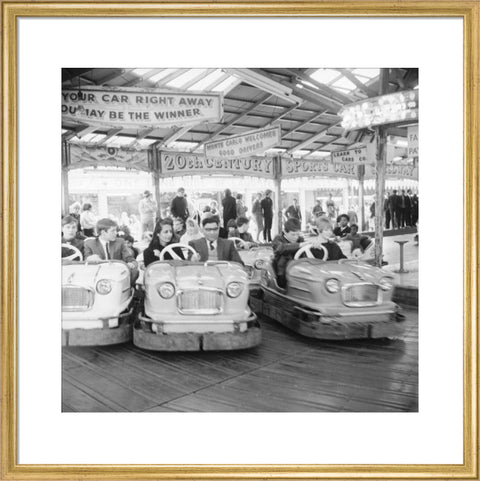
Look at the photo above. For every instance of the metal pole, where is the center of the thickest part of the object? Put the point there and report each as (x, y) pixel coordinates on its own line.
(65, 164)
(380, 167)
(278, 195)
(361, 203)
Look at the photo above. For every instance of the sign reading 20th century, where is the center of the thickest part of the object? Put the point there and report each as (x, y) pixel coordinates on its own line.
(131, 108)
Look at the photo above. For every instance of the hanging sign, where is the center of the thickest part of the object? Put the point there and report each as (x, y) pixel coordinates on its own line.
(134, 108)
(84, 155)
(393, 171)
(352, 156)
(174, 164)
(412, 137)
(244, 145)
(318, 168)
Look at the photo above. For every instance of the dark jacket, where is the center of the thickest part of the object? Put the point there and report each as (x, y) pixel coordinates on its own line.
(229, 209)
(341, 233)
(75, 242)
(149, 255)
(117, 249)
(293, 212)
(179, 207)
(225, 250)
(283, 252)
(267, 207)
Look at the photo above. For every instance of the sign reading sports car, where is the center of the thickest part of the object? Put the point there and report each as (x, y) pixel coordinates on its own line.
(140, 107)
(244, 145)
(185, 163)
(309, 168)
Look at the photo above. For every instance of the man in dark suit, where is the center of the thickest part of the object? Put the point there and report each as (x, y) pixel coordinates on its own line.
(212, 247)
(394, 206)
(267, 211)
(108, 246)
(179, 206)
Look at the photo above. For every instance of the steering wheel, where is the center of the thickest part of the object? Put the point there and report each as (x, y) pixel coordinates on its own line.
(242, 243)
(307, 250)
(169, 249)
(76, 253)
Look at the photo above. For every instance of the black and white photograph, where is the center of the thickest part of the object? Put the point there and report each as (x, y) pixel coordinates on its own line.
(240, 239)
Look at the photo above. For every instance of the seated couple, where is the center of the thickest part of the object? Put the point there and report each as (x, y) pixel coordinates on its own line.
(211, 247)
(239, 228)
(286, 245)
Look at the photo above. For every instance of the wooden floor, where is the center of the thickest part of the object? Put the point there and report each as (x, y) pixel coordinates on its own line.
(286, 372)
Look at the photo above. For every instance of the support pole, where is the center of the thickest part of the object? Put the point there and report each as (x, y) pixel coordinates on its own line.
(65, 202)
(278, 196)
(361, 202)
(156, 181)
(380, 168)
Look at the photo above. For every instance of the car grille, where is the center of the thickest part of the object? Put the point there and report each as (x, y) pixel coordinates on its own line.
(361, 295)
(200, 301)
(76, 298)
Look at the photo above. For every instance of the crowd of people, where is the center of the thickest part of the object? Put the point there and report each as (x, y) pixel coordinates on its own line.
(400, 210)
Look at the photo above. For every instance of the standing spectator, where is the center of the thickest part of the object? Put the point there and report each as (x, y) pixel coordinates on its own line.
(386, 210)
(241, 207)
(317, 210)
(74, 211)
(267, 213)
(331, 208)
(402, 209)
(414, 209)
(229, 207)
(257, 214)
(214, 207)
(147, 208)
(87, 220)
(352, 215)
(179, 206)
(408, 208)
(293, 211)
(192, 210)
(394, 206)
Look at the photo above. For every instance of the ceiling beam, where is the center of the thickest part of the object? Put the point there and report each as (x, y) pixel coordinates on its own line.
(299, 126)
(170, 76)
(109, 135)
(217, 82)
(85, 130)
(232, 121)
(281, 115)
(68, 74)
(112, 76)
(141, 135)
(168, 141)
(322, 147)
(311, 139)
(199, 77)
(360, 85)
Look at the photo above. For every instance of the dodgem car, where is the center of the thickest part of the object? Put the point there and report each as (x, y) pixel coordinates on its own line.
(344, 299)
(254, 259)
(193, 306)
(96, 301)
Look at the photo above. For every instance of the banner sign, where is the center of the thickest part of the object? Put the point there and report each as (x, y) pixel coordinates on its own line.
(412, 137)
(352, 156)
(244, 145)
(394, 172)
(84, 155)
(134, 108)
(185, 163)
(317, 168)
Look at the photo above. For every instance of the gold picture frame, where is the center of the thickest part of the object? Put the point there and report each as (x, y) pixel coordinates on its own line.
(467, 10)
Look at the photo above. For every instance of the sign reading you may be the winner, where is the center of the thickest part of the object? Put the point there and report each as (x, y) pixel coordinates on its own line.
(132, 108)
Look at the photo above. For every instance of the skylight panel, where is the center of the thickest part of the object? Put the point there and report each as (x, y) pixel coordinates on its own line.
(325, 75)
(205, 82)
(185, 77)
(162, 74)
(141, 71)
(226, 85)
(367, 72)
(344, 83)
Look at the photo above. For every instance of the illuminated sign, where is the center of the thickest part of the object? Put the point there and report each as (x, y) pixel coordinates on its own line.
(387, 109)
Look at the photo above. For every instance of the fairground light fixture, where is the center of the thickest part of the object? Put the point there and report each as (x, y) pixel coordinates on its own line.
(398, 107)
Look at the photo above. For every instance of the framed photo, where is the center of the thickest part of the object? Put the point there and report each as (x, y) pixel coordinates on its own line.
(436, 437)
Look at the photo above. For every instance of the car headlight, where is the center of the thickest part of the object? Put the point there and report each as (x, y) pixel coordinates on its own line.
(259, 263)
(234, 289)
(166, 290)
(104, 286)
(386, 283)
(332, 285)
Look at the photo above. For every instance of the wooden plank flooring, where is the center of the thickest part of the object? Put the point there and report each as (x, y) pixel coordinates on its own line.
(286, 373)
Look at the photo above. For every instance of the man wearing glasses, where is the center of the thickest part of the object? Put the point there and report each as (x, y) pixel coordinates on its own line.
(212, 247)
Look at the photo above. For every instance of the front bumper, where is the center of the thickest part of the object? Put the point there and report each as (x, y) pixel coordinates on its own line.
(145, 338)
(101, 336)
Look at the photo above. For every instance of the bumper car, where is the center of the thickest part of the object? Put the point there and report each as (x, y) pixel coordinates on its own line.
(254, 259)
(96, 302)
(337, 299)
(194, 306)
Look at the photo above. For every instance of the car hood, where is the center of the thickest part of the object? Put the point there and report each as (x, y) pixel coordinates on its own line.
(88, 274)
(188, 275)
(347, 272)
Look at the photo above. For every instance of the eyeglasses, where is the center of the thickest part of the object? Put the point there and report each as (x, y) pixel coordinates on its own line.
(212, 229)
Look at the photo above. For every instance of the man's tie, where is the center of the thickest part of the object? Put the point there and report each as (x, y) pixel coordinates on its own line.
(212, 247)
(108, 251)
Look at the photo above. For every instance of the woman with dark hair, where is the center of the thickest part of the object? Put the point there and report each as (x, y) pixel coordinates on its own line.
(229, 207)
(88, 220)
(241, 207)
(162, 237)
